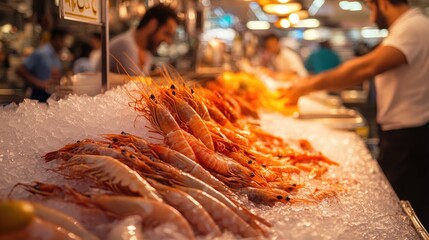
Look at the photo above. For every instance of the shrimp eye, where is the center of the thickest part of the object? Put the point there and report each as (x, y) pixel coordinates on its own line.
(110, 146)
(287, 198)
(172, 86)
(174, 92)
(249, 162)
(279, 197)
(123, 151)
(152, 96)
(77, 141)
(192, 91)
(252, 174)
(115, 139)
(123, 133)
(294, 184)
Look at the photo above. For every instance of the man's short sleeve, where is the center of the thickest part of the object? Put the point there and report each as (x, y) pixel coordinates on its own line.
(405, 41)
(31, 62)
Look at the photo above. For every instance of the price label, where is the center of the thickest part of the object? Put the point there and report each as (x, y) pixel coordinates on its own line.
(87, 11)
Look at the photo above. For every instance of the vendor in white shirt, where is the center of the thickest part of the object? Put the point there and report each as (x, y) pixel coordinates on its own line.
(400, 65)
(284, 62)
(131, 52)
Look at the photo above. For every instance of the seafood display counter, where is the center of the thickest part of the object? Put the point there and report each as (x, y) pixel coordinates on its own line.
(362, 206)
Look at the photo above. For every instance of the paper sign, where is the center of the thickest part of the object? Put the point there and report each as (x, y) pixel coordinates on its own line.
(87, 11)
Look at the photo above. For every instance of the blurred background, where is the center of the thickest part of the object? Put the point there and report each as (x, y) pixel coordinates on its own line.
(215, 34)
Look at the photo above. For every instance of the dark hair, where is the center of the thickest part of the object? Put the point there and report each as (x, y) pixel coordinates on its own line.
(325, 44)
(161, 13)
(58, 32)
(270, 36)
(96, 35)
(398, 2)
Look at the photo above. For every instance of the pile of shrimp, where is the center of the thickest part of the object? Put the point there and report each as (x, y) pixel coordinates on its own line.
(213, 153)
(252, 89)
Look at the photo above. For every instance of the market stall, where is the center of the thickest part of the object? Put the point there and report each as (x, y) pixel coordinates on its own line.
(112, 156)
(364, 206)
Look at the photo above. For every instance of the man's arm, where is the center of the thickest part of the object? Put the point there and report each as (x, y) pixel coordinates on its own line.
(352, 72)
(23, 72)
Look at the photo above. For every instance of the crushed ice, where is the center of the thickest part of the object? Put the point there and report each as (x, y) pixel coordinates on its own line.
(367, 209)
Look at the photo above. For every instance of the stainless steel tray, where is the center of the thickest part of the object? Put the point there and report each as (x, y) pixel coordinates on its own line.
(347, 119)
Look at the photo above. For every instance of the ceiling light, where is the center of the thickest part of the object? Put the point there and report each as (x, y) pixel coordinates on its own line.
(294, 18)
(350, 5)
(311, 34)
(284, 23)
(265, 2)
(258, 25)
(302, 14)
(282, 9)
(308, 23)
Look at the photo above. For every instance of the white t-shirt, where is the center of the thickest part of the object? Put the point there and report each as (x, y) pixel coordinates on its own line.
(125, 56)
(288, 60)
(403, 93)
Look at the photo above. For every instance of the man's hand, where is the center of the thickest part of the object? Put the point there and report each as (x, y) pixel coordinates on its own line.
(300, 88)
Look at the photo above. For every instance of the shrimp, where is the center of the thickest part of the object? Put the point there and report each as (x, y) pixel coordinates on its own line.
(165, 124)
(299, 157)
(258, 169)
(135, 142)
(219, 163)
(192, 210)
(223, 215)
(188, 116)
(77, 147)
(267, 196)
(223, 106)
(94, 148)
(152, 212)
(176, 177)
(128, 228)
(111, 173)
(228, 133)
(54, 217)
(185, 164)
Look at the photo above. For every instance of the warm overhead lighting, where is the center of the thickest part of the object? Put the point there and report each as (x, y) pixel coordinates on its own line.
(302, 14)
(294, 18)
(284, 23)
(350, 5)
(282, 9)
(258, 25)
(308, 23)
(311, 34)
(265, 2)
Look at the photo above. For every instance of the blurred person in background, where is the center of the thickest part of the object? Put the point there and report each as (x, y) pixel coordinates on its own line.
(82, 62)
(323, 58)
(283, 61)
(95, 42)
(400, 65)
(43, 68)
(132, 51)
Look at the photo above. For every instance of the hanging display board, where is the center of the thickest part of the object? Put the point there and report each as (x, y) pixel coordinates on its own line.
(91, 12)
(87, 11)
